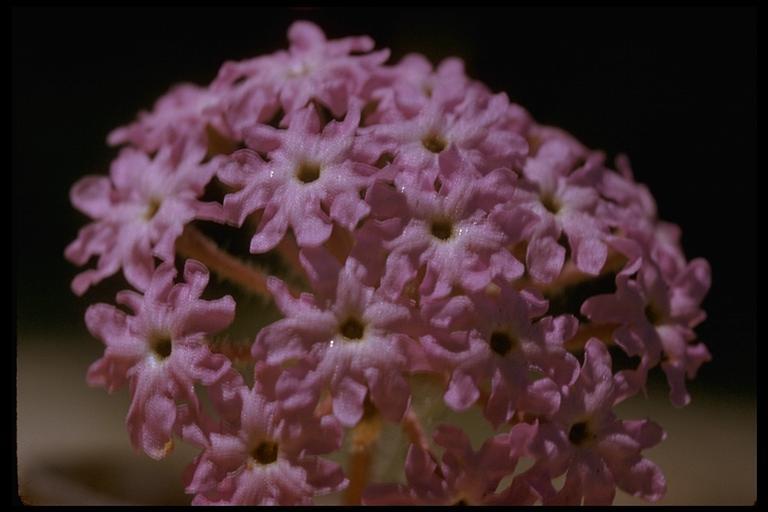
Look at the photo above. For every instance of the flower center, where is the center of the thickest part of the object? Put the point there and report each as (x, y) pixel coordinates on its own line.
(550, 203)
(152, 208)
(434, 143)
(308, 172)
(384, 160)
(161, 345)
(653, 314)
(369, 409)
(579, 435)
(352, 329)
(442, 229)
(265, 453)
(501, 342)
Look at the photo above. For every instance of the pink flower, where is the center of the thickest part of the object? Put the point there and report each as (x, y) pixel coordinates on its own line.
(463, 477)
(357, 342)
(656, 319)
(270, 459)
(407, 87)
(312, 69)
(564, 199)
(494, 339)
(180, 116)
(138, 212)
(598, 451)
(307, 174)
(476, 127)
(160, 350)
(457, 227)
(402, 200)
(627, 206)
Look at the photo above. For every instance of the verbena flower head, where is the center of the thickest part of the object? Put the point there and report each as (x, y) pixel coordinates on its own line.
(439, 264)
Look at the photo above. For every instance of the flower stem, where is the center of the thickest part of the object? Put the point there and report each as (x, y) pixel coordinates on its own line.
(412, 428)
(194, 244)
(363, 444)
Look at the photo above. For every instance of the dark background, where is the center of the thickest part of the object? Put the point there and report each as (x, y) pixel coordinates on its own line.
(674, 88)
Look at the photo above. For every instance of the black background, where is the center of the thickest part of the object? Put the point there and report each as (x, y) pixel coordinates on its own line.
(674, 88)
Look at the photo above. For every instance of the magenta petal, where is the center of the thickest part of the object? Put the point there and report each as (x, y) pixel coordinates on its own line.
(505, 265)
(138, 267)
(520, 438)
(544, 259)
(304, 35)
(597, 481)
(324, 476)
(348, 210)
(348, 399)
(312, 230)
(696, 355)
(399, 271)
(462, 391)
(108, 373)
(389, 392)
(645, 432)
(590, 256)
(262, 138)
(696, 280)
(420, 470)
(105, 321)
(322, 268)
(271, 231)
(152, 426)
(675, 372)
(325, 438)
(541, 397)
(91, 195)
(642, 478)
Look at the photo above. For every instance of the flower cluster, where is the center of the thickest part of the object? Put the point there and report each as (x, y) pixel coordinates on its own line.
(439, 233)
